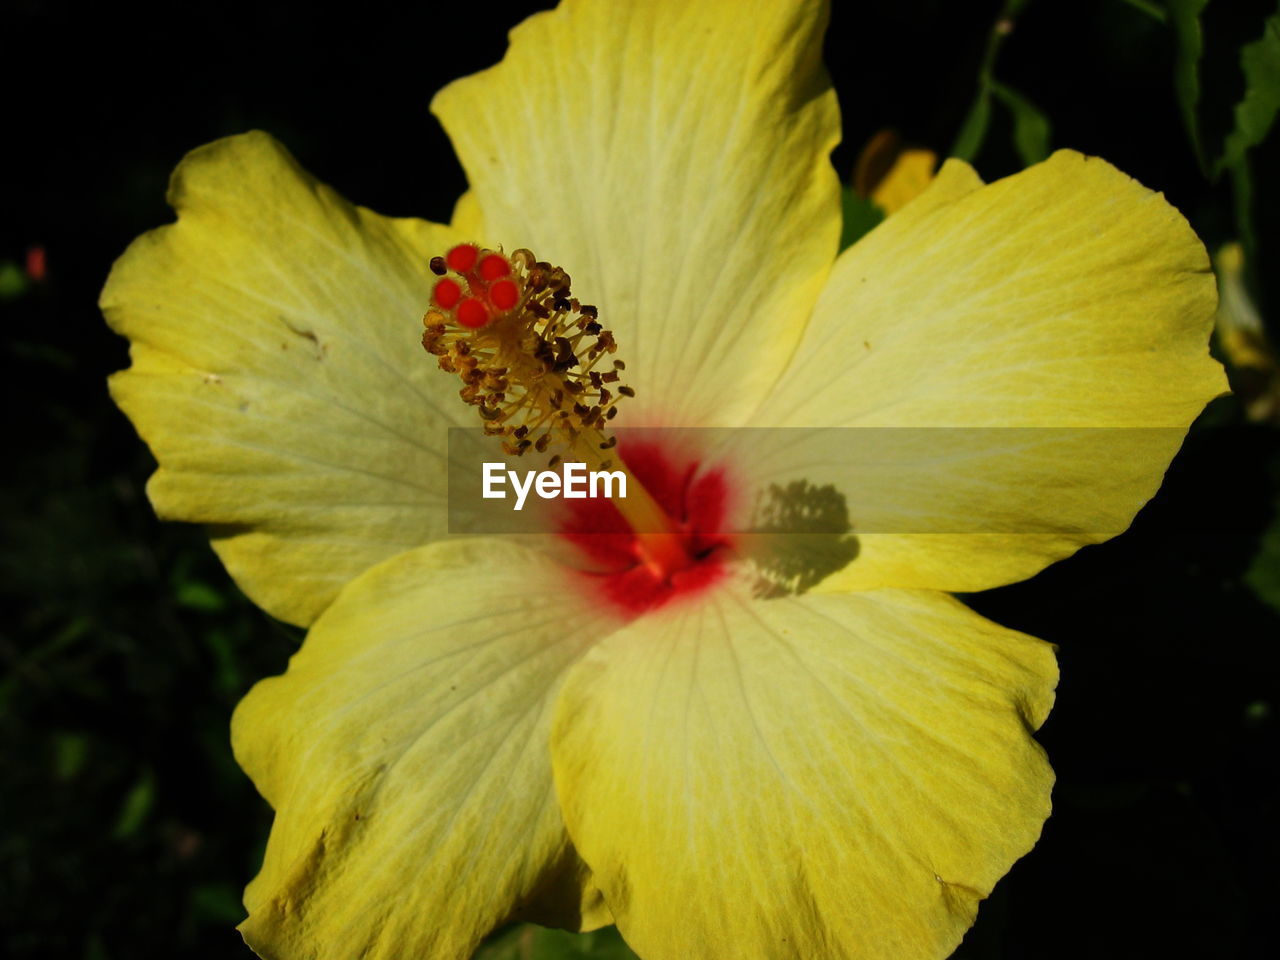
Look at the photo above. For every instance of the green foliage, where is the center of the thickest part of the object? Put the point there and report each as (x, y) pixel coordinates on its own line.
(860, 215)
(1263, 573)
(1184, 17)
(974, 129)
(13, 281)
(1256, 112)
(1031, 127)
(1263, 576)
(531, 942)
(1151, 9)
(137, 804)
(1254, 115)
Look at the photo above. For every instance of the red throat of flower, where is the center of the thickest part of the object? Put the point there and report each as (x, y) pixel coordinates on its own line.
(627, 572)
(540, 368)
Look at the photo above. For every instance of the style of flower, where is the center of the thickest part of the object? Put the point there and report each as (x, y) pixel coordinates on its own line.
(476, 731)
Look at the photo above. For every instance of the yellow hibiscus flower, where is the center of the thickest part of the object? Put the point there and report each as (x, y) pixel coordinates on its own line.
(475, 732)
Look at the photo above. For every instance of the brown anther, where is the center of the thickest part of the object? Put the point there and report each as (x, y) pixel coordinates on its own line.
(609, 444)
(438, 266)
(626, 391)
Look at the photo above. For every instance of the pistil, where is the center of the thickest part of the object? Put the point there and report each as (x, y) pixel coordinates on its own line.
(540, 368)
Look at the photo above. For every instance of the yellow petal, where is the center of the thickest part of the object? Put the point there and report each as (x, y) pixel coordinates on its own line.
(1066, 296)
(277, 374)
(906, 180)
(890, 174)
(406, 754)
(673, 158)
(836, 776)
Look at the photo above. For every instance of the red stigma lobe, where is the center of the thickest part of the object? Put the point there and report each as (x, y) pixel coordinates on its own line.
(504, 293)
(462, 257)
(472, 313)
(494, 267)
(447, 294)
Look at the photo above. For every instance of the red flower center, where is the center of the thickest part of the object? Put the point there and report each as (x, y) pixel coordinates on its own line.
(622, 573)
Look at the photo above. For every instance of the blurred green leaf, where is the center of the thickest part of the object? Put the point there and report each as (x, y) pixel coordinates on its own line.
(1185, 17)
(1257, 712)
(1263, 574)
(216, 904)
(137, 804)
(1254, 116)
(13, 281)
(1152, 10)
(1256, 111)
(198, 595)
(69, 753)
(531, 942)
(860, 215)
(1030, 126)
(974, 129)
(224, 654)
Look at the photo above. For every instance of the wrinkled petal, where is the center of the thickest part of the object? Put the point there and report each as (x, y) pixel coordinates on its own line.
(277, 374)
(1067, 298)
(406, 754)
(673, 158)
(835, 776)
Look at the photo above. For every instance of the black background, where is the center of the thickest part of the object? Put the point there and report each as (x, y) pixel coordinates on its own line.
(124, 646)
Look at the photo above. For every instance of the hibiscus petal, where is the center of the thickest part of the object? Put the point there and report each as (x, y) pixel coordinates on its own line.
(1067, 297)
(836, 776)
(406, 754)
(673, 158)
(277, 375)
